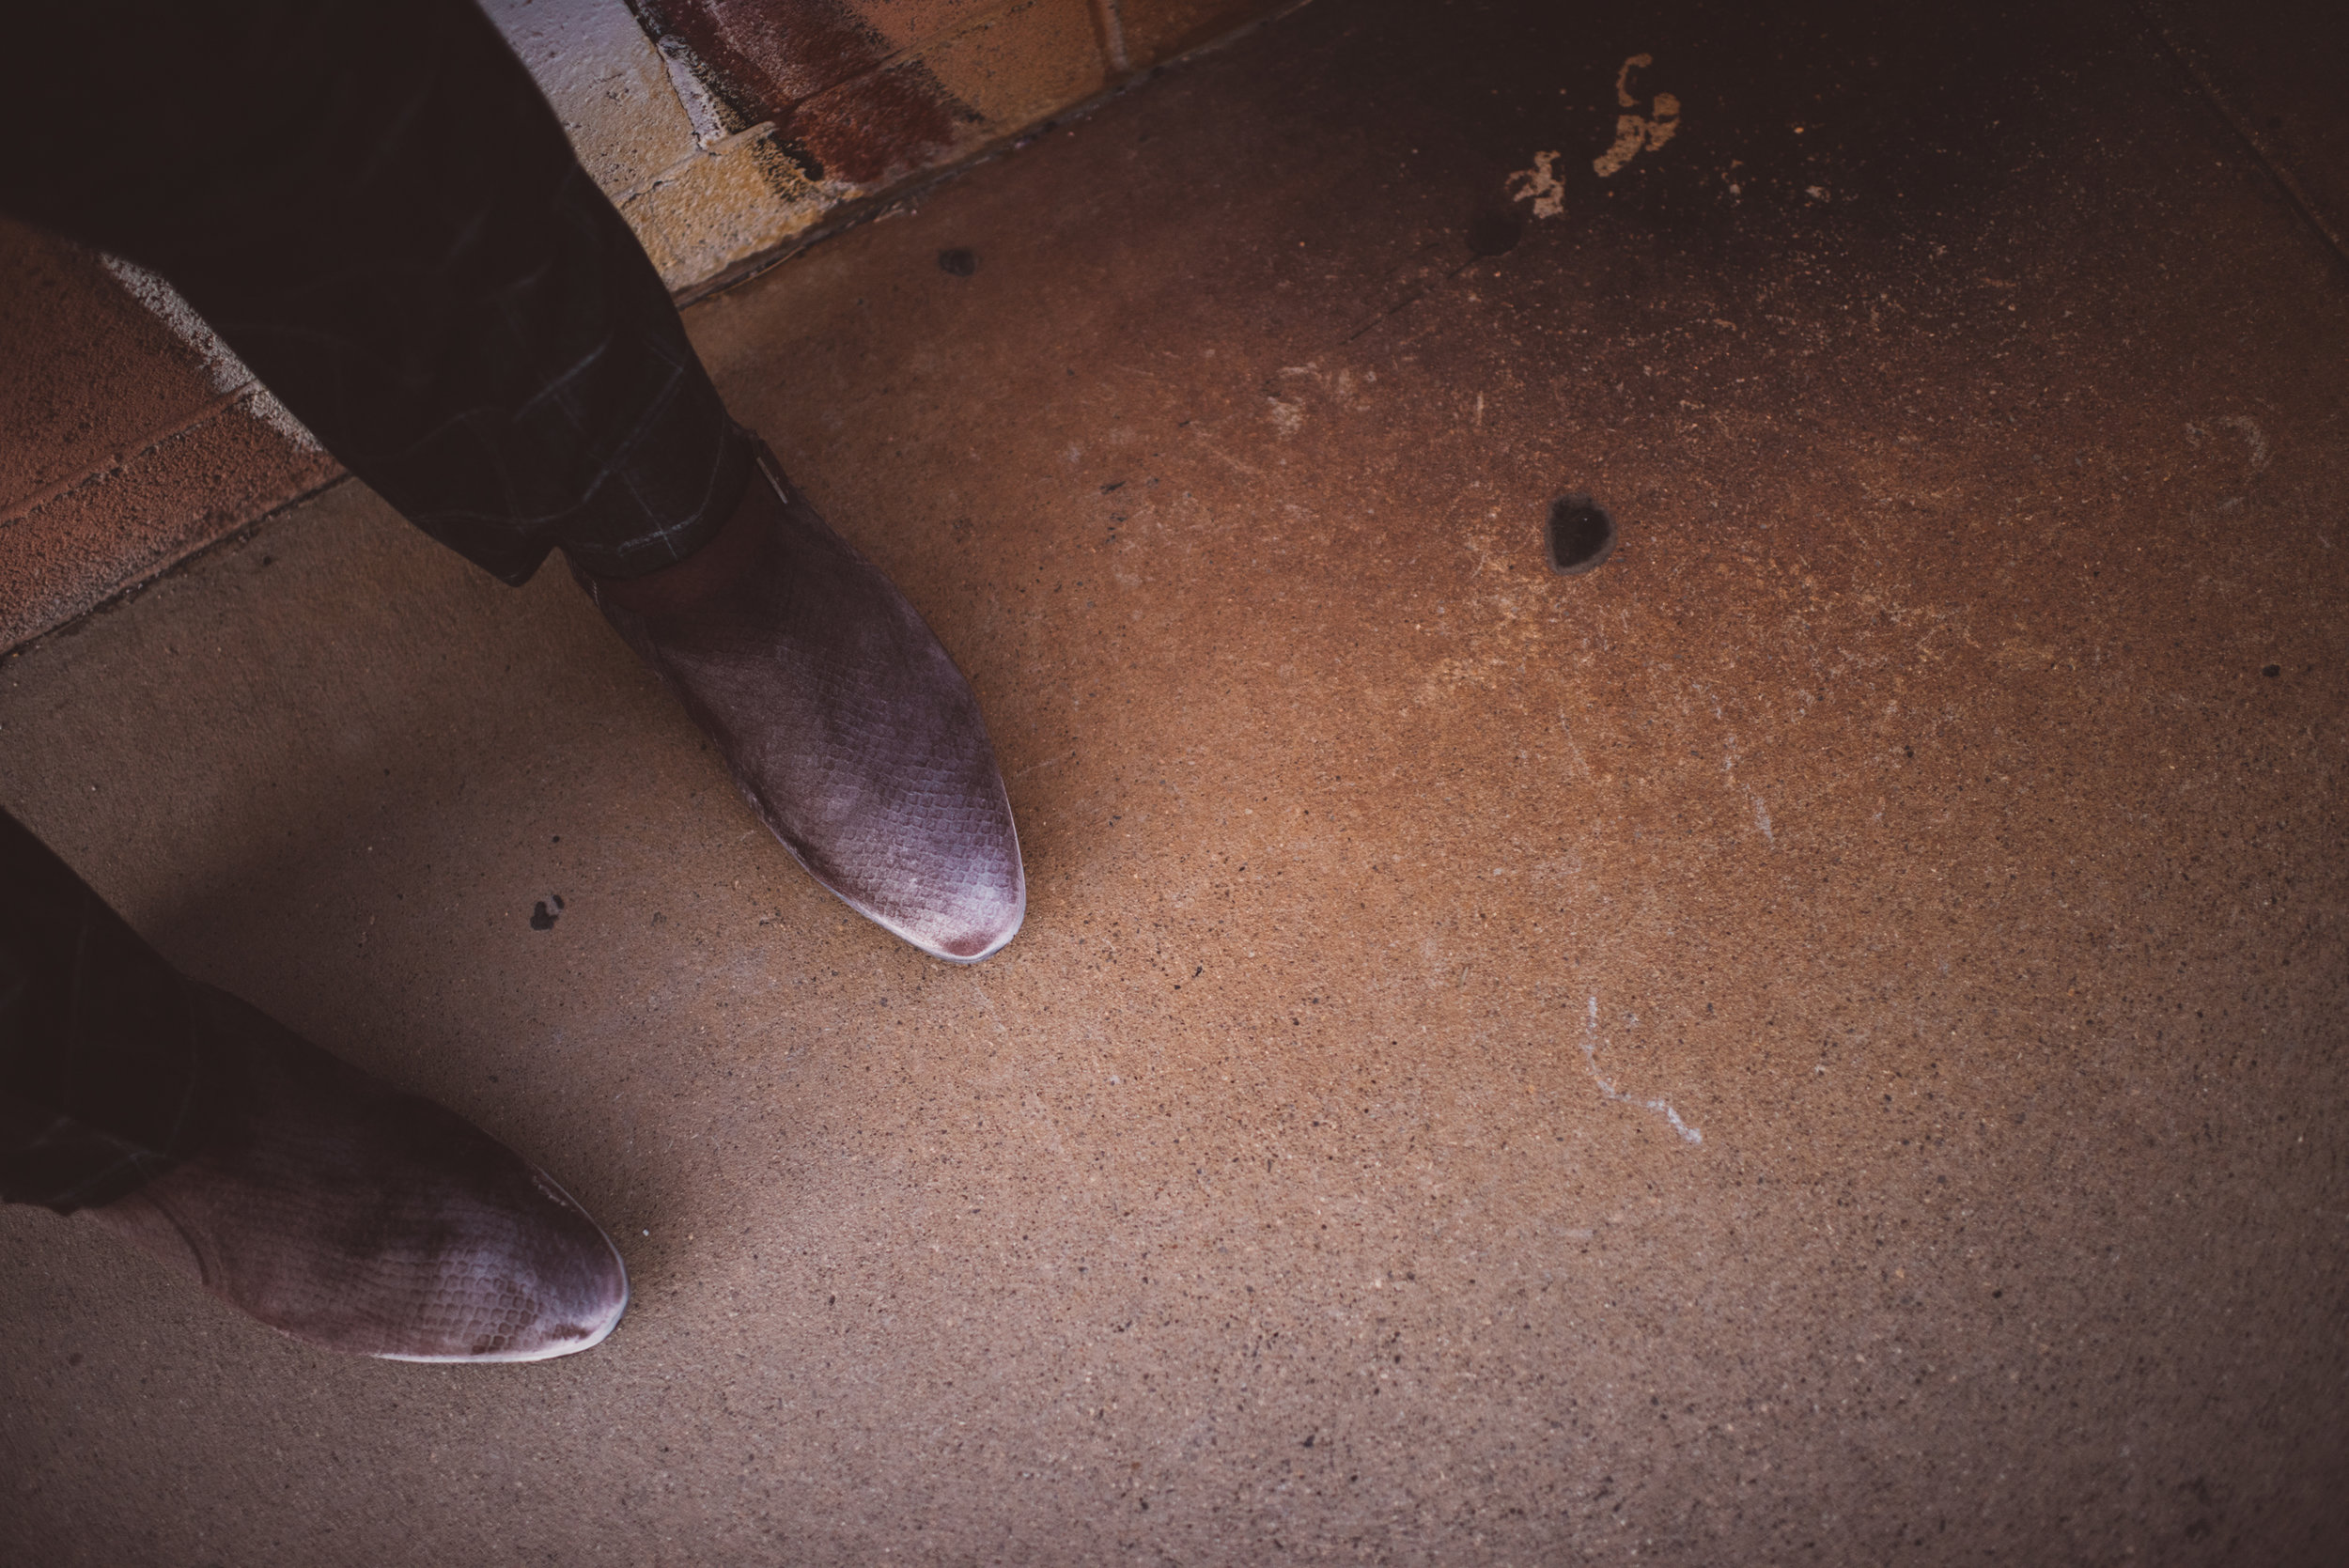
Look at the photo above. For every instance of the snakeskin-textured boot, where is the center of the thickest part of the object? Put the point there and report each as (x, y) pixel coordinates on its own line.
(348, 1215)
(844, 721)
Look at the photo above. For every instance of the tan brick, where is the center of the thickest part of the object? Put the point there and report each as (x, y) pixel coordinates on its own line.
(720, 211)
(910, 23)
(1026, 62)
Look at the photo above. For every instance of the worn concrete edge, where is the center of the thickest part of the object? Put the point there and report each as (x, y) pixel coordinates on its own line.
(131, 588)
(150, 441)
(2169, 39)
(881, 204)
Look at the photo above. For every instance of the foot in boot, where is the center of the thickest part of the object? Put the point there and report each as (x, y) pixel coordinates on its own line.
(350, 1215)
(844, 721)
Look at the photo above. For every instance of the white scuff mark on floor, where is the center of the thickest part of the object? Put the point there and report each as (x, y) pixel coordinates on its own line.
(2253, 437)
(1590, 1055)
(221, 367)
(1574, 748)
(1541, 183)
(1218, 453)
(1286, 417)
(1633, 131)
(1761, 820)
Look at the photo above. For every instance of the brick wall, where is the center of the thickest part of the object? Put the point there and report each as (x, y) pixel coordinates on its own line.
(727, 131)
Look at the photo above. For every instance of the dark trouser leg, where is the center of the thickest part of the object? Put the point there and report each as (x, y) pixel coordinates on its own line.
(374, 205)
(104, 1080)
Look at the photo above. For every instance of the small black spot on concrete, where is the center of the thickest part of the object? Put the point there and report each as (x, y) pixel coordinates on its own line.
(539, 919)
(558, 903)
(958, 261)
(1114, 485)
(74, 1359)
(2272, 671)
(1494, 233)
(1580, 535)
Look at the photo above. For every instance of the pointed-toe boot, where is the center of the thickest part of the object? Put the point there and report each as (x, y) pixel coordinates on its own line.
(843, 720)
(348, 1215)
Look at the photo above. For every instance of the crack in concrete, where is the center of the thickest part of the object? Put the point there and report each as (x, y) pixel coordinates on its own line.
(1590, 1055)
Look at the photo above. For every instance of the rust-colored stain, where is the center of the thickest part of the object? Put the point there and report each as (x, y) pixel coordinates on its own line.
(823, 75)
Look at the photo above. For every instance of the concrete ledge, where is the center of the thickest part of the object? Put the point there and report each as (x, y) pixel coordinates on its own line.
(122, 527)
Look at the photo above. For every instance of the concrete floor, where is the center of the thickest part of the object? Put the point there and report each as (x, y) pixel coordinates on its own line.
(1818, 1042)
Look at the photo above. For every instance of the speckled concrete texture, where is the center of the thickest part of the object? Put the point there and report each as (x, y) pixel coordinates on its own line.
(124, 446)
(2276, 78)
(1820, 1041)
(91, 374)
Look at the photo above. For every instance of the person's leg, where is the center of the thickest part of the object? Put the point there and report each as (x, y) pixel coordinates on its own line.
(102, 1083)
(376, 209)
(373, 206)
(318, 211)
(318, 1200)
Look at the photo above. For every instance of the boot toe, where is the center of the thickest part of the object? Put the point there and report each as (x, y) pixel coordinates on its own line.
(562, 1292)
(352, 1216)
(977, 928)
(844, 722)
